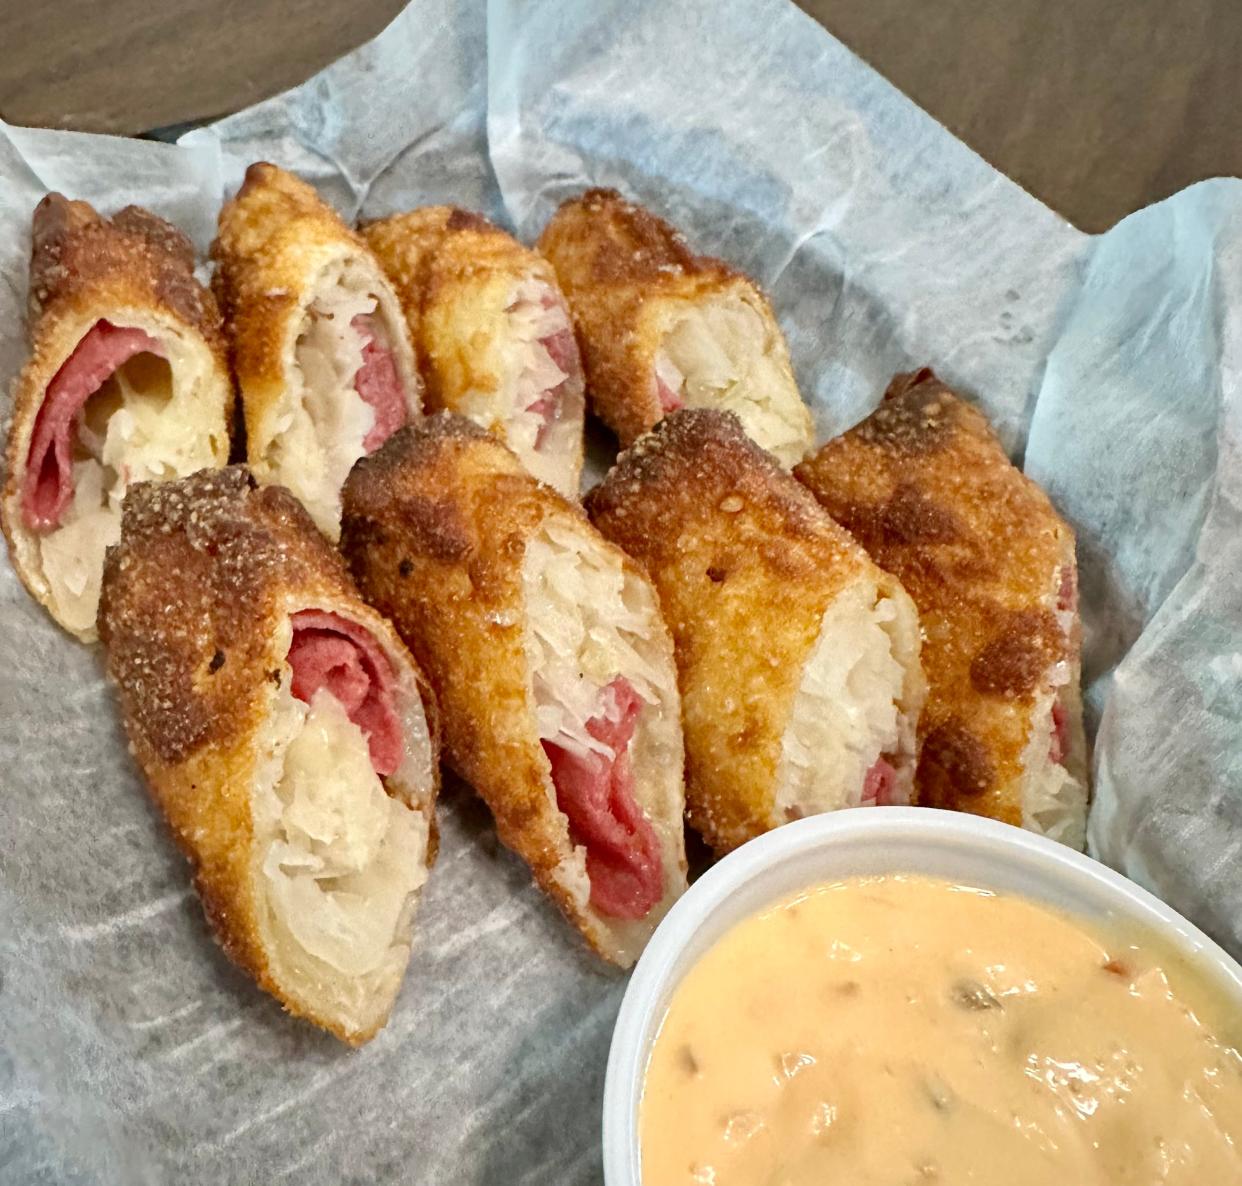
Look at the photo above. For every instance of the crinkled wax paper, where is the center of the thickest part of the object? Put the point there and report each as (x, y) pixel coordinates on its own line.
(131, 1052)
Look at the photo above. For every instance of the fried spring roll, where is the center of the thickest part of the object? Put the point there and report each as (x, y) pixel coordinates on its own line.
(926, 488)
(285, 733)
(127, 381)
(552, 666)
(662, 328)
(798, 658)
(492, 334)
(320, 347)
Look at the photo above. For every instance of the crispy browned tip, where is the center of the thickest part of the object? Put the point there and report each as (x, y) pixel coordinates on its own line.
(433, 255)
(409, 455)
(268, 231)
(271, 186)
(268, 197)
(79, 258)
(925, 486)
(409, 244)
(55, 221)
(615, 241)
(698, 466)
(426, 223)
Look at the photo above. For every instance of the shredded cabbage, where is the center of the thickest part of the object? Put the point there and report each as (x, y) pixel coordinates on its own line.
(527, 374)
(719, 354)
(588, 623)
(845, 713)
(321, 421)
(344, 857)
(135, 428)
(1054, 802)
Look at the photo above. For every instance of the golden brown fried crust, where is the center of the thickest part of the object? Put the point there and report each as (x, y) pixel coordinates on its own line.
(745, 563)
(275, 235)
(439, 258)
(83, 269)
(927, 489)
(435, 528)
(613, 259)
(80, 260)
(193, 597)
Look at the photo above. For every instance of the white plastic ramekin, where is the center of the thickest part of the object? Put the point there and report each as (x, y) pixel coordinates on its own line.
(963, 848)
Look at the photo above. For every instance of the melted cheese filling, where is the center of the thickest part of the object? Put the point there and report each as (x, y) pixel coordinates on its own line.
(342, 859)
(846, 712)
(721, 354)
(139, 426)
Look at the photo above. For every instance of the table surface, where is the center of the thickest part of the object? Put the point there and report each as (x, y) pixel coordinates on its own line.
(1097, 107)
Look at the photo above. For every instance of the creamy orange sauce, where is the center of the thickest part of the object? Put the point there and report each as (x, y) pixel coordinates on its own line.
(903, 1031)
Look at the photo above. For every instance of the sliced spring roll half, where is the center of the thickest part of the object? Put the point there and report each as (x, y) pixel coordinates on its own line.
(320, 346)
(927, 489)
(662, 328)
(798, 658)
(127, 381)
(492, 334)
(285, 733)
(551, 663)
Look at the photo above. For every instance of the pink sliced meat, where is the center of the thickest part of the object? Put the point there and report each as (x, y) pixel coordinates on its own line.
(48, 488)
(670, 401)
(880, 785)
(1059, 746)
(1067, 593)
(596, 792)
(562, 348)
(548, 408)
(379, 385)
(331, 652)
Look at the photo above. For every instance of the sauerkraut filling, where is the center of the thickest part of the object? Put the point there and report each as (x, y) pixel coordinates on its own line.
(134, 423)
(849, 741)
(600, 691)
(340, 859)
(537, 404)
(722, 353)
(343, 397)
(1054, 801)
